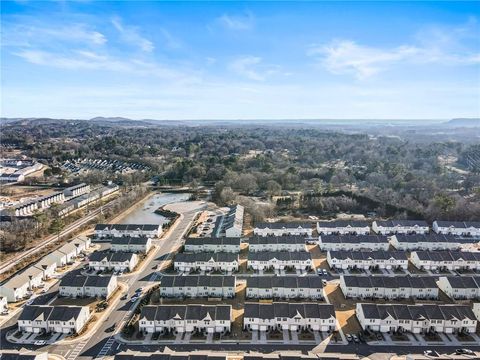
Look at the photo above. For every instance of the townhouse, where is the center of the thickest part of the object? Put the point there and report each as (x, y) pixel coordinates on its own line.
(213, 244)
(3, 304)
(353, 242)
(420, 318)
(389, 227)
(460, 287)
(389, 287)
(26, 208)
(20, 285)
(76, 190)
(476, 310)
(48, 266)
(230, 224)
(429, 242)
(343, 227)
(186, 318)
(282, 229)
(46, 201)
(140, 244)
(459, 228)
(87, 286)
(367, 259)
(289, 316)
(117, 230)
(82, 243)
(194, 286)
(279, 260)
(186, 262)
(285, 287)
(445, 260)
(117, 261)
(57, 319)
(276, 243)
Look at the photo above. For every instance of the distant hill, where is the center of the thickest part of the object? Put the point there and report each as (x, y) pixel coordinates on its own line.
(120, 121)
(463, 122)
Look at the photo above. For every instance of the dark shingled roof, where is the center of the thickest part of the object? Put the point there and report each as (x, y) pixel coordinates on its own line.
(279, 255)
(263, 282)
(186, 312)
(205, 257)
(289, 310)
(198, 280)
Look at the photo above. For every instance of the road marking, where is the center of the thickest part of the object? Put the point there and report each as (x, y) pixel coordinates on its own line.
(77, 350)
(106, 348)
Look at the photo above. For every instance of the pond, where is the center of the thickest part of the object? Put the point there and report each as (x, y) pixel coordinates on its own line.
(145, 214)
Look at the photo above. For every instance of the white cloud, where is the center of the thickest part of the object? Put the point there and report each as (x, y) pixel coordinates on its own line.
(237, 22)
(131, 35)
(252, 67)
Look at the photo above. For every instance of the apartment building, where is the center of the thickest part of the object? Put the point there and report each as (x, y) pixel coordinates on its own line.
(353, 242)
(285, 287)
(283, 229)
(186, 318)
(429, 242)
(213, 244)
(445, 260)
(367, 259)
(193, 286)
(88, 286)
(390, 227)
(289, 316)
(276, 243)
(187, 262)
(117, 261)
(280, 260)
(420, 318)
(58, 319)
(460, 287)
(134, 230)
(389, 287)
(343, 227)
(459, 228)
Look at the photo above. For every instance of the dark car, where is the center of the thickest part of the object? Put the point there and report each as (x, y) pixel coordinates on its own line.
(111, 328)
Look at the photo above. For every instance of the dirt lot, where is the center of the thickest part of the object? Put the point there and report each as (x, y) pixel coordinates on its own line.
(18, 192)
(319, 258)
(344, 309)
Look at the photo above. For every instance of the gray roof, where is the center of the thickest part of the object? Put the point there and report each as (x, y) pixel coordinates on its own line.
(258, 240)
(434, 238)
(265, 282)
(110, 256)
(198, 280)
(186, 312)
(279, 255)
(82, 280)
(234, 241)
(46, 312)
(401, 223)
(128, 240)
(343, 224)
(464, 282)
(390, 281)
(289, 310)
(365, 255)
(354, 239)
(283, 225)
(205, 257)
(128, 227)
(447, 255)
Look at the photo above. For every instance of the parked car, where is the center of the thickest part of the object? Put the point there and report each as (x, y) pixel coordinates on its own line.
(379, 336)
(430, 353)
(349, 337)
(30, 302)
(356, 339)
(139, 290)
(124, 297)
(111, 328)
(5, 312)
(464, 352)
(135, 298)
(325, 272)
(39, 343)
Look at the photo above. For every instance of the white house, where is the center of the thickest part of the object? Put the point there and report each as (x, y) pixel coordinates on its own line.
(46, 201)
(460, 287)
(48, 266)
(20, 285)
(429, 242)
(57, 319)
(389, 227)
(117, 261)
(87, 286)
(3, 304)
(194, 286)
(353, 242)
(280, 260)
(138, 244)
(76, 190)
(117, 230)
(460, 228)
(367, 259)
(58, 257)
(230, 224)
(186, 318)
(389, 287)
(343, 227)
(213, 244)
(281, 229)
(276, 243)
(445, 260)
(285, 287)
(420, 318)
(82, 243)
(289, 316)
(186, 262)
(476, 310)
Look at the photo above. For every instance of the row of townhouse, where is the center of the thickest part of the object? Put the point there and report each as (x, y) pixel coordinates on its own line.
(420, 318)
(280, 260)
(389, 287)
(194, 286)
(285, 287)
(88, 286)
(230, 224)
(20, 285)
(186, 318)
(367, 259)
(389, 227)
(460, 287)
(276, 243)
(343, 227)
(117, 230)
(57, 319)
(140, 244)
(430, 242)
(46, 201)
(289, 316)
(283, 229)
(116, 261)
(187, 262)
(213, 244)
(353, 242)
(76, 190)
(459, 228)
(446, 260)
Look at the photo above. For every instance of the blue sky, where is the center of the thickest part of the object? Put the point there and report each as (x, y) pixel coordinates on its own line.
(241, 60)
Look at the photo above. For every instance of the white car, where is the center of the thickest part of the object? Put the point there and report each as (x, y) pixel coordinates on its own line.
(39, 343)
(29, 302)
